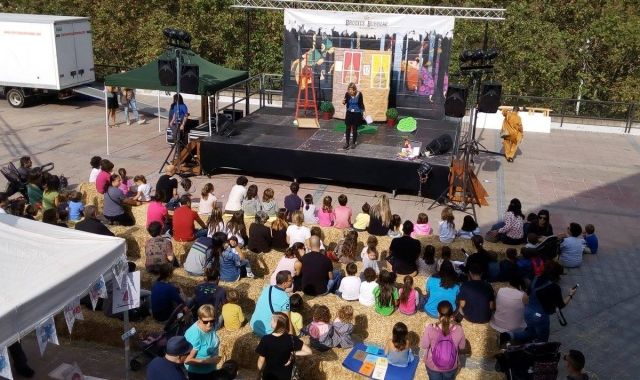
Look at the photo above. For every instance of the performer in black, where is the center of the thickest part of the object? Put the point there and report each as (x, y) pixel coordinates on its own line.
(355, 111)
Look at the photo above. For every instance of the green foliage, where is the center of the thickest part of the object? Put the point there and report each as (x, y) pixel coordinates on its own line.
(392, 114)
(327, 107)
(548, 48)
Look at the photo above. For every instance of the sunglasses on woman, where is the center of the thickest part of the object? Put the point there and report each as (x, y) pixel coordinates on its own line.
(207, 322)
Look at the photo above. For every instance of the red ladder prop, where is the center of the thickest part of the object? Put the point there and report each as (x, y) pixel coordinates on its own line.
(304, 101)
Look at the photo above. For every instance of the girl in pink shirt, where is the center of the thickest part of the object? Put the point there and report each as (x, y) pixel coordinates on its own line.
(343, 213)
(422, 227)
(408, 301)
(326, 215)
(434, 342)
(157, 212)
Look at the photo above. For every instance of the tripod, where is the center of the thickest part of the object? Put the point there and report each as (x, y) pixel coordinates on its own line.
(175, 150)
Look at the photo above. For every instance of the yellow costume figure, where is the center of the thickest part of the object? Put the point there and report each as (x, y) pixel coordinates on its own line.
(511, 133)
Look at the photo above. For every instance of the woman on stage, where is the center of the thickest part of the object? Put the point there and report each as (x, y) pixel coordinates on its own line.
(355, 112)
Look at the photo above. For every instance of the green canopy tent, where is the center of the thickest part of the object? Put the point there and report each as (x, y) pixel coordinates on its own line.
(212, 77)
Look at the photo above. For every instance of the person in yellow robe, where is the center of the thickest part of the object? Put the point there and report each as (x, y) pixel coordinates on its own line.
(511, 133)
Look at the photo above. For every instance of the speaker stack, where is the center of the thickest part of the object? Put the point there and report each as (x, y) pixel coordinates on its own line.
(490, 94)
(456, 100)
(189, 76)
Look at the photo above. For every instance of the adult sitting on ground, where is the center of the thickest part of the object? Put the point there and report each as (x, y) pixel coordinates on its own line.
(545, 297)
(510, 231)
(183, 219)
(169, 366)
(543, 227)
(441, 287)
(199, 255)
(209, 292)
(380, 217)
(104, 177)
(484, 258)
(165, 297)
(275, 349)
(260, 241)
(204, 357)
(404, 251)
(90, 223)
(572, 247)
(510, 302)
(272, 299)
(476, 299)
(158, 250)
(291, 262)
(167, 184)
(279, 231)
(318, 276)
(114, 199)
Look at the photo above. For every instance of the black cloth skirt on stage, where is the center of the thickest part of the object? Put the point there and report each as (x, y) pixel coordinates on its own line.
(353, 118)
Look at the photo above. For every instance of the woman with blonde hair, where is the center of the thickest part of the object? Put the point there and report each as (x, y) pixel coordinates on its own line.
(354, 102)
(447, 230)
(296, 232)
(279, 230)
(204, 357)
(380, 220)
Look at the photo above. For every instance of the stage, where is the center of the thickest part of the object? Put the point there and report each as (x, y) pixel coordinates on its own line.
(267, 143)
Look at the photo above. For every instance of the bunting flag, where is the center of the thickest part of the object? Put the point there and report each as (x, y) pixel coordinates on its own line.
(97, 290)
(45, 333)
(120, 269)
(72, 312)
(5, 366)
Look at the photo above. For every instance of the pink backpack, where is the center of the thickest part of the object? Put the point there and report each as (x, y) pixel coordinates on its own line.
(444, 352)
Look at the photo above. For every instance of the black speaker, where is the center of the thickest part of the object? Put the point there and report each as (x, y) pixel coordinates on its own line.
(189, 80)
(167, 72)
(441, 145)
(456, 101)
(490, 93)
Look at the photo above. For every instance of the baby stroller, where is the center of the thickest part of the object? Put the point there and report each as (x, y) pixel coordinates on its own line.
(15, 182)
(531, 361)
(154, 344)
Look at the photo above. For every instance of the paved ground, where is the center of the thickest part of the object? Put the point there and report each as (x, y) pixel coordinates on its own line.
(578, 176)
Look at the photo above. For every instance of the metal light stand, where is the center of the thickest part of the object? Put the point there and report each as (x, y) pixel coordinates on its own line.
(177, 139)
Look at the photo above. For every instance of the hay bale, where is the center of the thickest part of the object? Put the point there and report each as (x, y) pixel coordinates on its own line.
(181, 249)
(140, 214)
(136, 238)
(90, 195)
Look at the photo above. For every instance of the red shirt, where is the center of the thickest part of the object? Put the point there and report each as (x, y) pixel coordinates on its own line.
(101, 180)
(183, 218)
(156, 212)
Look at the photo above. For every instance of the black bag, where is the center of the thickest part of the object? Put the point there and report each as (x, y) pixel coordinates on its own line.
(440, 145)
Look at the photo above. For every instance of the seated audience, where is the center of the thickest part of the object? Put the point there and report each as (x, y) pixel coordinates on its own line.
(90, 223)
(368, 284)
(362, 219)
(422, 227)
(349, 288)
(317, 231)
(76, 208)
(395, 229)
(510, 302)
(370, 255)
(204, 357)
(231, 312)
(104, 177)
(233, 263)
(509, 266)
(572, 247)
(441, 287)
(318, 276)
(169, 366)
(292, 202)
(268, 203)
(575, 364)
(279, 229)
(276, 347)
(447, 228)
(342, 213)
(444, 330)
(291, 262)
(590, 238)
(476, 299)
(385, 294)
(95, 168)
(143, 189)
(320, 330)
(237, 228)
(215, 223)
(157, 211)
(251, 204)
(469, 228)
(309, 210)
(326, 215)
(207, 199)
(50, 193)
(543, 226)
(296, 232)
(511, 230)
(167, 184)
(530, 224)
(409, 297)
(260, 241)
(484, 258)
(183, 220)
(380, 217)
(346, 248)
(209, 291)
(427, 263)
(52, 217)
(114, 199)
(199, 255)
(343, 327)
(272, 299)
(404, 251)
(34, 188)
(158, 251)
(236, 195)
(445, 255)
(397, 349)
(165, 297)
(297, 305)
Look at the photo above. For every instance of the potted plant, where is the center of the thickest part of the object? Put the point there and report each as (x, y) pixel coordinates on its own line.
(392, 117)
(327, 110)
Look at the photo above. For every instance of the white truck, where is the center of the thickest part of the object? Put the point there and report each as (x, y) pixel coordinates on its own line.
(42, 54)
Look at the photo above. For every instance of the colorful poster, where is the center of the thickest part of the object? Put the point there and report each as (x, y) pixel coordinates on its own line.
(395, 60)
(46, 333)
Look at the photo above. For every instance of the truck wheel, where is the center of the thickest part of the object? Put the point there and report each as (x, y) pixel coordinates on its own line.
(15, 97)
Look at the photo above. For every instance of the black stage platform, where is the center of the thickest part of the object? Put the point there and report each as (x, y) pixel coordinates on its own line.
(266, 142)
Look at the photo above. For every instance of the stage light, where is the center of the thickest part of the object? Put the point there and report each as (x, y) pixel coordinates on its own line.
(477, 55)
(466, 56)
(490, 55)
(178, 38)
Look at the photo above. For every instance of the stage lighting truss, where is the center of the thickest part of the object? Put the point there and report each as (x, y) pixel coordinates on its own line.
(457, 12)
(177, 38)
(477, 60)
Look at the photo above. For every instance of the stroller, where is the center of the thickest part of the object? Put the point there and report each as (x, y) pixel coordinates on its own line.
(531, 361)
(15, 182)
(153, 345)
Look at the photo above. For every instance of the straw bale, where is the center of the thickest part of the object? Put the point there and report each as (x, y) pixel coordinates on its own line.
(135, 236)
(140, 214)
(89, 194)
(181, 249)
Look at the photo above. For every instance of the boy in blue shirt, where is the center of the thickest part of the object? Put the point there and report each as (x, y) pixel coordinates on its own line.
(590, 238)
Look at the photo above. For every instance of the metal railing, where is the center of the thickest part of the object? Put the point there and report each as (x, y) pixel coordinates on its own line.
(620, 114)
(241, 91)
(272, 85)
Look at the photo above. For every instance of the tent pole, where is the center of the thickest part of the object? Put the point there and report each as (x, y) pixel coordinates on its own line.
(209, 113)
(106, 117)
(126, 345)
(215, 109)
(159, 128)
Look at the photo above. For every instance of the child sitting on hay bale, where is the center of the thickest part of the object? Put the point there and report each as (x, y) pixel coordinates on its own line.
(367, 286)
(386, 294)
(343, 328)
(231, 312)
(349, 288)
(320, 331)
(296, 304)
(397, 349)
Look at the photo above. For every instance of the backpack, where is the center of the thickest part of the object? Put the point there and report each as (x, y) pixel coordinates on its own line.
(537, 264)
(444, 352)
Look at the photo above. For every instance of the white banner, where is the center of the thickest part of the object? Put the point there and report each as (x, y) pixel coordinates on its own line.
(45, 333)
(5, 366)
(127, 296)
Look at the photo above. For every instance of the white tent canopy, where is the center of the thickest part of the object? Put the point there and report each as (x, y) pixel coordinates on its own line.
(45, 267)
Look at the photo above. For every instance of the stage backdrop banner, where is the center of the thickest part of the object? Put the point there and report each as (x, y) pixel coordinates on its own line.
(395, 60)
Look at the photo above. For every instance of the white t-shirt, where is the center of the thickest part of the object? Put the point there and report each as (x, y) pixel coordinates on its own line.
(366, 293)
(236, 195)
(94, 174)
(206, 205)
(310, 215)
(350, 288)
(145, 189)
(298, 234)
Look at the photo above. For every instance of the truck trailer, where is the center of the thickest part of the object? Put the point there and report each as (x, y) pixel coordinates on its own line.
(44, 54)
